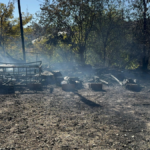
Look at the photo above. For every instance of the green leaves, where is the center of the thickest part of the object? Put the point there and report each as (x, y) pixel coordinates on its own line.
(108, 32)
(10, 29)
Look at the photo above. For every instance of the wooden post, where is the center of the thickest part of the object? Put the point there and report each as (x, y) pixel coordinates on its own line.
(21, 29)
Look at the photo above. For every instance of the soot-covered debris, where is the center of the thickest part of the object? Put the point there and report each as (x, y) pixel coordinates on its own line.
(113, 118)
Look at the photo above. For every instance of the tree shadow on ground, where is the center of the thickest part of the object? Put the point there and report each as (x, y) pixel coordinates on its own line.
(88, 102)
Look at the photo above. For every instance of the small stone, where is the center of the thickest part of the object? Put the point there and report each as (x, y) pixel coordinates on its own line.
(132, 136)
(93, 145)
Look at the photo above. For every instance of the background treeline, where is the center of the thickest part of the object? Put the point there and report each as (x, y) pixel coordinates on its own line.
(96, 32)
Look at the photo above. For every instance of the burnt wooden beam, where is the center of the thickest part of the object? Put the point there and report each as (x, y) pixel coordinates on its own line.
(103, 81)
(116, 79)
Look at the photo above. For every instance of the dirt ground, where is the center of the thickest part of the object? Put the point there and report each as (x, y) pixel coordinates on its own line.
(112, 119)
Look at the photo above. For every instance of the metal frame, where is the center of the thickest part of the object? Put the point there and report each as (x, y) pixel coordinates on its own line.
(22, 73)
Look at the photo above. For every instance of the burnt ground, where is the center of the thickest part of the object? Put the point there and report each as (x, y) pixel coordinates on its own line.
(114, 118)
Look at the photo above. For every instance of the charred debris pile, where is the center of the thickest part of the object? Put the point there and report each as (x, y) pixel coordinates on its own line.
(73, 77)
(34, 76)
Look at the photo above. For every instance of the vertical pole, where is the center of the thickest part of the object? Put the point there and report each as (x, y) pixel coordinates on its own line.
(21, 29)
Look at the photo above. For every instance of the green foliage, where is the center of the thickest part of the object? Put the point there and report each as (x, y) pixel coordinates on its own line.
(10, 30)
(95, 32)
(98, 32)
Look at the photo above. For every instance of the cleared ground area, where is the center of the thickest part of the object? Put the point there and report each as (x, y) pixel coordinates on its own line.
(114, 118)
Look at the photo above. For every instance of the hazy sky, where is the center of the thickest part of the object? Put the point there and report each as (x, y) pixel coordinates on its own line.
(31, 5)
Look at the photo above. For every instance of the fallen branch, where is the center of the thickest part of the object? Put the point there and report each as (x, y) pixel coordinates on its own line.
(104, 81)
(116, 79)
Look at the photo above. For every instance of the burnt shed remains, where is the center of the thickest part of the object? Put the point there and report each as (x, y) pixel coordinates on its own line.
(19, 75)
